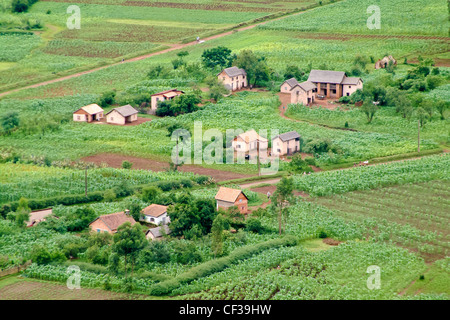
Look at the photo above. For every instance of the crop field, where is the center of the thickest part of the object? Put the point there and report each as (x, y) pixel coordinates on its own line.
(414, 216)
(26, 289)
(417, 17)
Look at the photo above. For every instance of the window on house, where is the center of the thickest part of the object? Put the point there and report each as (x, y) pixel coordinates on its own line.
(240, 200)
(285, 88)
(112, 119)
(98, 230)
(349, 87)
(78, 117)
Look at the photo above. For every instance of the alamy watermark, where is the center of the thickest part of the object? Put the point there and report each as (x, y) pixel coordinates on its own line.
(74, 280)
(374, 280)
(235, 147)
(74, 21)
(374, 21)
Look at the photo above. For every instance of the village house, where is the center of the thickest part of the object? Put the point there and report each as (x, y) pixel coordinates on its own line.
(163, 96)
(248, 141)
(157, 233)
(233, 78)
(156, 214)
(111, 222)
(227, 197)
(38, 216)
(122, 115)
(89, 113)
(334, 84)
(303, 92)
(286, 143)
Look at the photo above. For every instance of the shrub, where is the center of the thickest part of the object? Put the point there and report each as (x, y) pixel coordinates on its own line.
(126, 164)
(150, 194)
(254, 225)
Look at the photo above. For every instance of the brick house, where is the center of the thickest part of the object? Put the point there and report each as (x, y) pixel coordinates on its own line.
(227, 197)
(233, 78)
(334, 84)
(303, 92)
(286, 143)
(248, 141)
(111, 222)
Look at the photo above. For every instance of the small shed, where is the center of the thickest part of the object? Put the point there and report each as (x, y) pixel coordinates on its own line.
(157, 233)
(122, 115)
(89, 113)
(227, 197)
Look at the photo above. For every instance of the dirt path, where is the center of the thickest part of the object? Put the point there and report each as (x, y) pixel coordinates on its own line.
(257, 183)
(172, 48)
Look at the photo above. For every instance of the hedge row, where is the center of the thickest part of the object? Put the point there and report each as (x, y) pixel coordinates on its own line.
(217, 265)
(96, 196)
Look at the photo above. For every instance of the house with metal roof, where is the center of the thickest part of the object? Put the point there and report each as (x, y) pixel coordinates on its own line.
(89, 113)
(286, 143)
(334, 84)
(233, 78)
(227, 198)
(157, 233)
(122, 115)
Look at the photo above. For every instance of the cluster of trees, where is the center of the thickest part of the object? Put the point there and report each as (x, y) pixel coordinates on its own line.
(22, 5)
(182, 104)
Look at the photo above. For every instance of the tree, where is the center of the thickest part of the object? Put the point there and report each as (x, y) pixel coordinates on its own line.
(442, 106)
(108, 98)
(20, 6)
(22, 213)
(403, 106)
(150, 194)
(293, 71)
(428, 107)
(361, 61)
(255, 66)
(422, 115)
(217, 57)
(9, 122)
(369, 109)
(184, 216)
(281, 199)
(216, 88)
(217, 235)
(127, 242)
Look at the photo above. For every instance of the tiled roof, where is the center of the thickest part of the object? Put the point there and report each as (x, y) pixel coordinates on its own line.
(235, 71)
(228, 194)
(115, 220)
(154, 210)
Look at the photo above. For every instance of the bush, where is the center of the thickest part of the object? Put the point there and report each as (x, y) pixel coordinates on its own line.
(254, 225)
(150, 194)
(126, 164)
(344, 99)
(310, 161)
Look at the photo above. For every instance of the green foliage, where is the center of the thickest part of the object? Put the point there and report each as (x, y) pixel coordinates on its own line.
(255, 66)
(126, 165)
(9, 122)
(217, 57)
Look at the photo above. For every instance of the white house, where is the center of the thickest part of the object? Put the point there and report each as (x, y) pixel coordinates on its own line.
(248, 141)
(156, 214)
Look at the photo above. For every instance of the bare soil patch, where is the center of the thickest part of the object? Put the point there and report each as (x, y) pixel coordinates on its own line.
(115, 161)
(135, 123)
(331, 242)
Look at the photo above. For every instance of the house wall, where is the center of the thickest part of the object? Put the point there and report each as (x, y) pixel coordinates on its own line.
(132, 118)
(236, 83)
(281, 148)
(240, 145)
(78, 117)
(298, 95)
(241, 203)
(285, 88)
(155, 100)
(115, 118)
(348, 90)
(99, 225)
(162, 219)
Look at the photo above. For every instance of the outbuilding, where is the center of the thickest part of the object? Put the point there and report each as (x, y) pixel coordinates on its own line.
(286, 143)
(233, 78)
(156, 214)
(111, 222)
(122, 115)
(227, 198)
